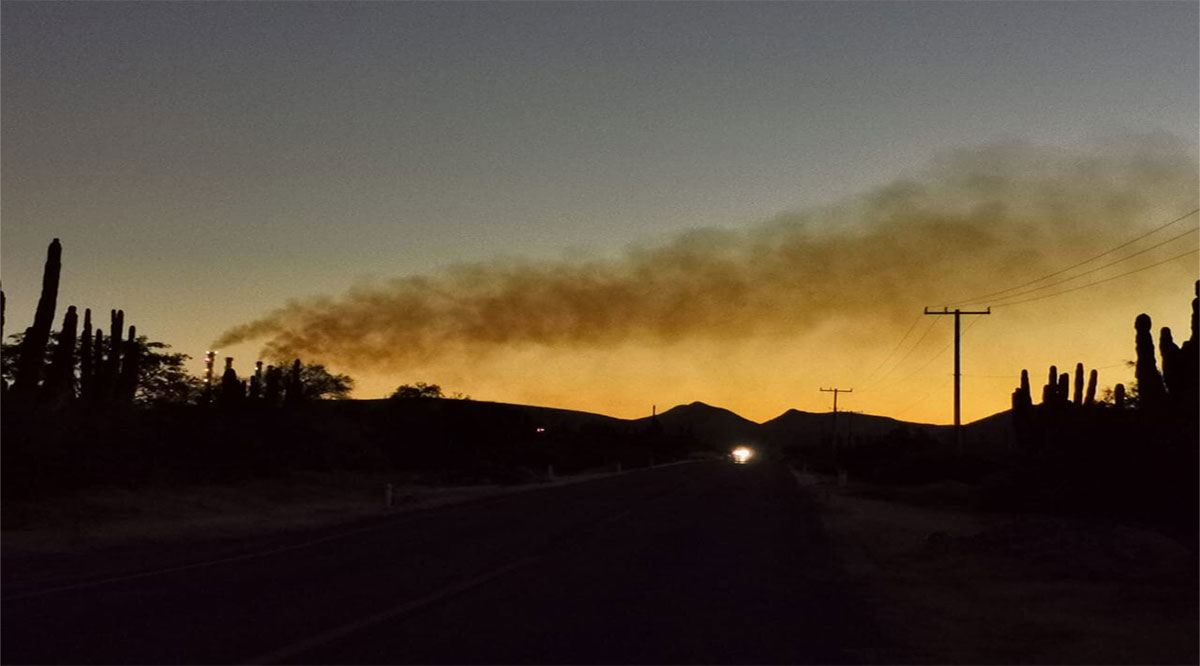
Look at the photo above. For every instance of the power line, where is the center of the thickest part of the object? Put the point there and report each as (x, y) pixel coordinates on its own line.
(894, 350)
(1108, 279)
(909, 352)
(933, 358)
(1074, 266)
(1100, 268)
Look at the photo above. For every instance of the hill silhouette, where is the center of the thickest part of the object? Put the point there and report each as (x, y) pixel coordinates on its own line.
(715, 427)
(721, 428)
(799, 427)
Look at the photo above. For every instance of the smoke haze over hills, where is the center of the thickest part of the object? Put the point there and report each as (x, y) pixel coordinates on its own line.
(972, 222)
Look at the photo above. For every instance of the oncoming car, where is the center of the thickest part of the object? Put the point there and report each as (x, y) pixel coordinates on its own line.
(741, 455)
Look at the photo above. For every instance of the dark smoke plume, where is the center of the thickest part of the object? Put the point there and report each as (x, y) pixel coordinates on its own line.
(973, 222)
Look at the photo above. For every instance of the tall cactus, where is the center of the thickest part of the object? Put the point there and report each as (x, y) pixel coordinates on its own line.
(1064, 389)
(1050, 390)
(1186, 370)
(1195, 317)
(1090, 399)
(1150, 384)
(100, 377)
(1119, 396)
(1021, 399)
(33, 347)
(116, 333)
(86, 377)
(3, 383)
(1078, 397)
(60, 376)
(127, 381)
(1171, 366)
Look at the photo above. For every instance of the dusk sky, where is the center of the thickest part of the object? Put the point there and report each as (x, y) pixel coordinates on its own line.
(603, 206)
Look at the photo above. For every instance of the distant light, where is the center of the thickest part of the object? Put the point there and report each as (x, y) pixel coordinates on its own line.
(541, 430)
(742, 454)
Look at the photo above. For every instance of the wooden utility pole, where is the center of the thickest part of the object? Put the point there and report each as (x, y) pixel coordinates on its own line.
(835, 392)
(958, 437)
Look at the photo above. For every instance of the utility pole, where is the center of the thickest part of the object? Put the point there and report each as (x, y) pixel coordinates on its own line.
(958, 436)
(835, 392)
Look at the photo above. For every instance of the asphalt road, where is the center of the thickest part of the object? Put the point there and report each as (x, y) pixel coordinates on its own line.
(695, 563)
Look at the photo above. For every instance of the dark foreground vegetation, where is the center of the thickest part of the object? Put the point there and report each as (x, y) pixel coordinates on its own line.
(1131, 455)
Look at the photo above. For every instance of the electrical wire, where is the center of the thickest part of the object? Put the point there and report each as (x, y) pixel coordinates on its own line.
(908, 353)
(895, 349)
(927, 363)
(1100, 268)
(1157, 229)
(1092, 284)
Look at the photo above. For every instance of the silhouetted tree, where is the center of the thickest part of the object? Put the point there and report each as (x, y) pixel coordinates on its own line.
(318, 383)
(161, 375)
(418, 390)
(306, 382)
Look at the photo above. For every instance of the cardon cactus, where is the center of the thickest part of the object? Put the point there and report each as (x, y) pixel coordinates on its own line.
(85, 356)
(128, 381)
(1170, 361)
(1090, 399)
(116, 332)
(1078, 399)
(1186, 366)
(60, 377)
(1021, 400)
(33, 347)
(1119, 396)
(100, 377)
(1150, 385)
(1050, 390)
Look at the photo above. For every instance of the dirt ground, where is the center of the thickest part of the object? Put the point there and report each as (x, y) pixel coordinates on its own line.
(952, 586)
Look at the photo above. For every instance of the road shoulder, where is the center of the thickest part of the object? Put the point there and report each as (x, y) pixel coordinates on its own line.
(949, 585)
